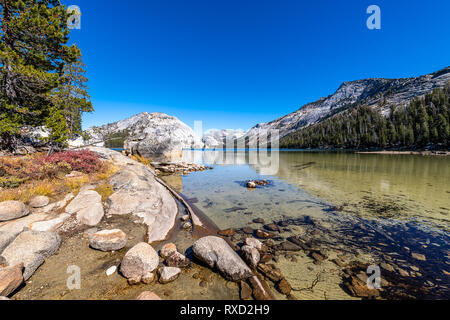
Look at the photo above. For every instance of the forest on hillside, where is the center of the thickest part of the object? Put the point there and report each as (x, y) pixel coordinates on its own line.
(424, 122)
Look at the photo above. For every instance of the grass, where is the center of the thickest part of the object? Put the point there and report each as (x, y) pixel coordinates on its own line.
(142, 160)
(105, 190)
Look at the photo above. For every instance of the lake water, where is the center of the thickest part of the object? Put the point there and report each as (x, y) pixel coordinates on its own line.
(390, 208)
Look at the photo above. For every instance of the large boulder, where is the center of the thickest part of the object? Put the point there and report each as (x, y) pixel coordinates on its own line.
(31, 248)
(10, 279)
(10, 210)
(216, 253)
(88, 207)
(138, 193)
(139, 262)
(109, 240)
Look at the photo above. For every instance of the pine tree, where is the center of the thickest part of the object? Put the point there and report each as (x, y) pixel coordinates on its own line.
(33, 53)
(72, 97)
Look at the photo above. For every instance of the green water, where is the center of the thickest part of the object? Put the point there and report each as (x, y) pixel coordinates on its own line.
(401, 202)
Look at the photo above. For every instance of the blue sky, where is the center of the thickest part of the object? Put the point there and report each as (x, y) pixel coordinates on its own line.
(235, 63)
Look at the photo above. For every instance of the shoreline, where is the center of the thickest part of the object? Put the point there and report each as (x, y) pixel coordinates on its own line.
(419, 153)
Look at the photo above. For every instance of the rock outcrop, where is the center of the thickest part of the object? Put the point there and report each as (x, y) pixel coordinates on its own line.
(216, 253)
(152, 135)
(88, 207)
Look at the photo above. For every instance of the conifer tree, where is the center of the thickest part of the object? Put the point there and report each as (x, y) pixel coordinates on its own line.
(33, 53)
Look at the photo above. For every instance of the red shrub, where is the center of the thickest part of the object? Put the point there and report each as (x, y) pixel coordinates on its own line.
(84, 161)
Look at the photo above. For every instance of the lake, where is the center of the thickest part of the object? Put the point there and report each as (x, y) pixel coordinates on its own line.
(389, 210)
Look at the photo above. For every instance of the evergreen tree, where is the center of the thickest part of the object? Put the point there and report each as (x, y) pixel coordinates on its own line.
(33, 53)
(72, 97)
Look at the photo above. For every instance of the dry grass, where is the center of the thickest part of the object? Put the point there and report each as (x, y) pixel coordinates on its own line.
(142, 160)
(60, 186)
(105, 190)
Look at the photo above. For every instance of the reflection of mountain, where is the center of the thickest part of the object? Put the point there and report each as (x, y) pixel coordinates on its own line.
(265, 162)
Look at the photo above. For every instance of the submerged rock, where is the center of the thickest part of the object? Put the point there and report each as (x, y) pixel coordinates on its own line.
(10, 210)
(31, 248)
(216, 253)
(245, 290)
(10, 279)
(177, 259)
(139, 261)
(109, 240)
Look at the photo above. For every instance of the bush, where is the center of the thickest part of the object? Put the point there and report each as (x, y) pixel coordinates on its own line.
(83, 161)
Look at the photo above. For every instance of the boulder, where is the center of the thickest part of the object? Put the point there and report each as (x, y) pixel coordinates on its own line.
(168, 274)
(178, 260)
(168, 249)
(10, 279)
(31, 248)
(139, 261)
(138, 193)
(109, 240)
(88, 207)
(10, 210)
(251, 255)
(216, 253)
(39, 202)
(148, 295)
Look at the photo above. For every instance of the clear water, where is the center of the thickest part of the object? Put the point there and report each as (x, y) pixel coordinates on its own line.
(401, 202)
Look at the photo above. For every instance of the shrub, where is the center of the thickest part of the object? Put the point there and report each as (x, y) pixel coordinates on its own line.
(84, 161)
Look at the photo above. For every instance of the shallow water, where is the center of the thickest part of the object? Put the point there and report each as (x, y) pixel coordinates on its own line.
(393, 206)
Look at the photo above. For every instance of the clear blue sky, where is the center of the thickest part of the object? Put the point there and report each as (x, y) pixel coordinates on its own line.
(236, 63)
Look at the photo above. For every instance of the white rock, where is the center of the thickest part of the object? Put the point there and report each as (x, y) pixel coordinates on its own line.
(50, 225)
(111, 271)
(255, 243)
(168, 274)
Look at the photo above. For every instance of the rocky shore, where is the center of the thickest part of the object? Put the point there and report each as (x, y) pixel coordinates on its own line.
(140, 216)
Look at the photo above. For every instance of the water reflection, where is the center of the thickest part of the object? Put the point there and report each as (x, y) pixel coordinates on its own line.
(378, 185)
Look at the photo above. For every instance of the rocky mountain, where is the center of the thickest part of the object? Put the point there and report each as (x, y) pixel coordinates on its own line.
(152, 135)
(376, 93)
(217, 138)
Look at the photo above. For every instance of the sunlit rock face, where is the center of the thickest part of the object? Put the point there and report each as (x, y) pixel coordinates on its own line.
(152, 135)
(377, 93)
